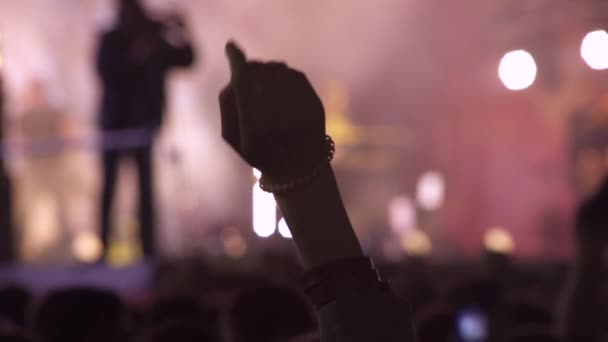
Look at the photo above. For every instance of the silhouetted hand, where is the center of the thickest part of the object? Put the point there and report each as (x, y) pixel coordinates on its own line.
(272, 116)
(592, 224)
(273, 119)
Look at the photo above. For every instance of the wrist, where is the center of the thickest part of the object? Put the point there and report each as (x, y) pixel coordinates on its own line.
(318, 221)
(298, 156)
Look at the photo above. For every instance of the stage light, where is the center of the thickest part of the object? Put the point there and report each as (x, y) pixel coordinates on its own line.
(284, 229)
(517, 70)
(264, 212)
(41, 230)
(430, 191)
(499, 240)
(594, 49)
(417, 243)
(87, 247)
(401, 214)
(257, 173)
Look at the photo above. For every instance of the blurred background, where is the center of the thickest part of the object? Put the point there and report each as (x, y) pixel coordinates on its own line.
(457, 124)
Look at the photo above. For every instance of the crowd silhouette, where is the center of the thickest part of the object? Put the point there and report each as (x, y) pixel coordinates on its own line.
(274, 120)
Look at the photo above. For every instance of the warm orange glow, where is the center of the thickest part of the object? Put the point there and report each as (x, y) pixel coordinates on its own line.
(417, 243)
(41, 230)
(87, 247)
(235, 245)
(499, 240)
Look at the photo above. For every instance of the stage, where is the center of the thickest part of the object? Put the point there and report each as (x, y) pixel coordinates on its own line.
(126, 280)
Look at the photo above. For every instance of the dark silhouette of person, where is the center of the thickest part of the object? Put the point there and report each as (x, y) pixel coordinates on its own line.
(268, 314)
(6, 231)
(81, 314)
(14, 302)
(133, 61)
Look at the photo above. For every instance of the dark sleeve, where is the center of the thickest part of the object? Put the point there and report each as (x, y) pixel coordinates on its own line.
(367, 317)
(112, 60)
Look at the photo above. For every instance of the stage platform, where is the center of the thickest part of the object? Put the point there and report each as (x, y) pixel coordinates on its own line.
(126, 280)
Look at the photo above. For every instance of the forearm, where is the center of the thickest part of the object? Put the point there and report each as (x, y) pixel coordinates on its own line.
(323, 233)
(318, 221)
(342, 284)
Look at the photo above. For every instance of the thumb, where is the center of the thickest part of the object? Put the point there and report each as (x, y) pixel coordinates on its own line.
(236, 58)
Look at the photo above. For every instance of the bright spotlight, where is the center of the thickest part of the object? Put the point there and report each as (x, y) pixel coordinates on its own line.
(284, 229)
(430, 190)
(257, 173)
(499, 240)
(517, 70)
(594, 49)
(264, 212)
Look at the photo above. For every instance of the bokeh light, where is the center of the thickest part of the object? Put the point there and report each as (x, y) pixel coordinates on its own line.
(417, 243)
(594, 49)
(517, 70)
(87, 247)
(430, 190)
(284, 229)
(499, 240)
(257, 173)
(264, 212)
(234, 243)
(401, 214)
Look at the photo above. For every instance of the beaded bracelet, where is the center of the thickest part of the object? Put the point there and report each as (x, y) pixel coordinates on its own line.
(288, 186)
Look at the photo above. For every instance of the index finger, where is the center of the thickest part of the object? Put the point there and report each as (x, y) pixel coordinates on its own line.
(236, 58)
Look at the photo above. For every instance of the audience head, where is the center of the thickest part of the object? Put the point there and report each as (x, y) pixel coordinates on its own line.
(418, 290)
(15, 336)
(268, 314)
(81, 315)
(531, 334)
(524, 310)
(311, 337)
(176, 307)
(483, 293)
(180, 330)
(436, 323)
(14, 302)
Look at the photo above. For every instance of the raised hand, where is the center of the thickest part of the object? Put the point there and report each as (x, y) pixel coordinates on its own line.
(272, 117)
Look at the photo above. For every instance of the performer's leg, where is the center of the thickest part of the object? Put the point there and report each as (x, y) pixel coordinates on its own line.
(143, 157)
(110, 176)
